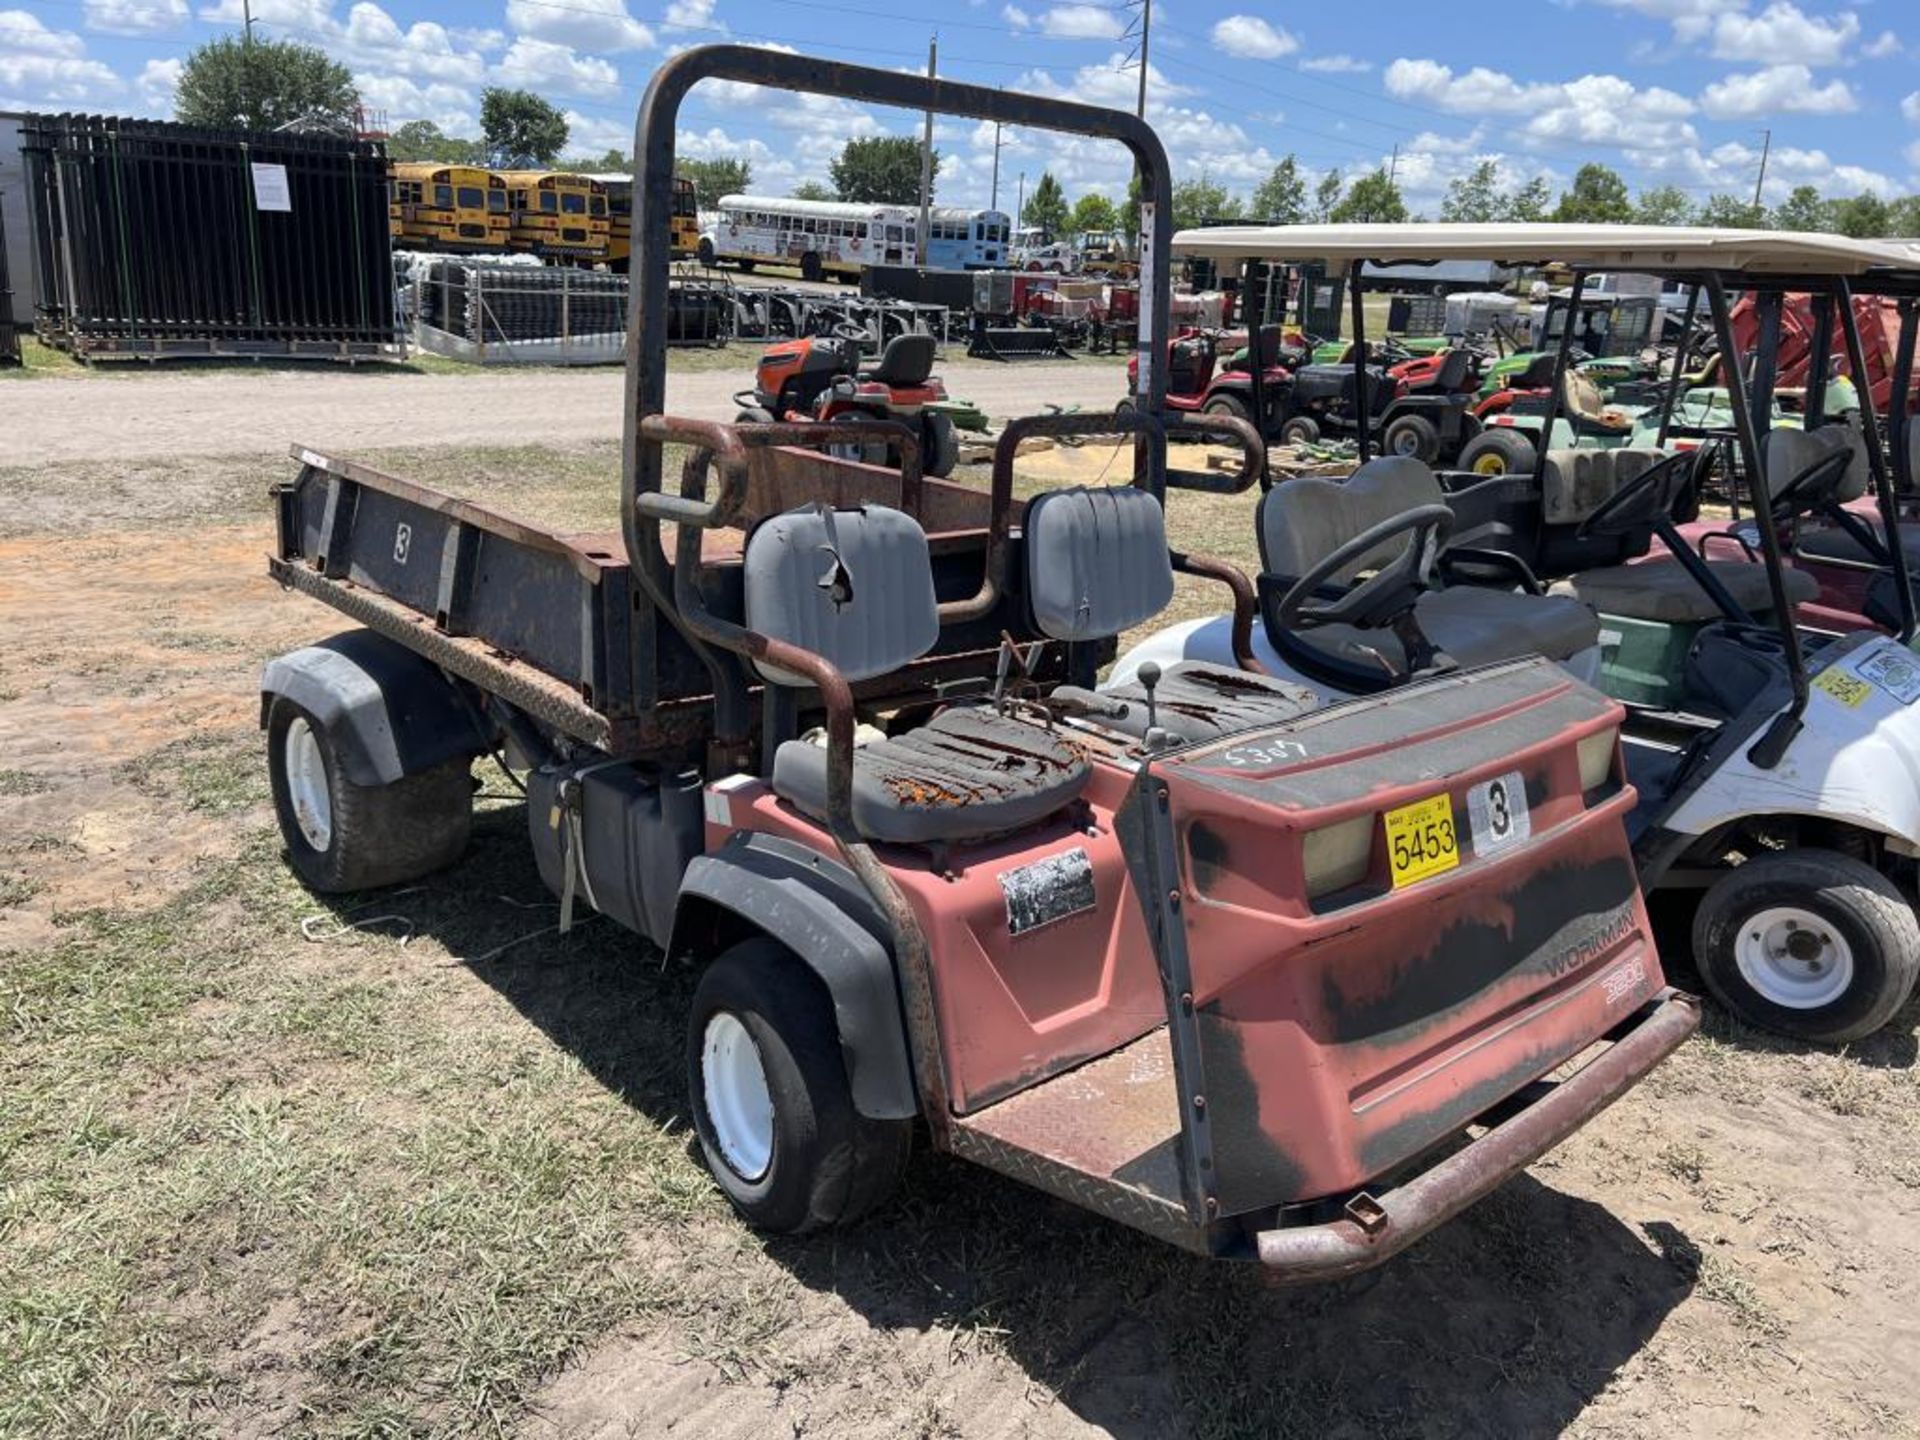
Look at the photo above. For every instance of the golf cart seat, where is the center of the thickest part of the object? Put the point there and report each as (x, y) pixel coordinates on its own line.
(1831, 542)
(1301, 521)
(1098, 564)
(907, 361)
(856, 586)
(1663, 591)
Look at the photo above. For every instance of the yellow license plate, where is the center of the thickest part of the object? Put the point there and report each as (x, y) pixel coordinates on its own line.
(1848, 689)
(1420, 840)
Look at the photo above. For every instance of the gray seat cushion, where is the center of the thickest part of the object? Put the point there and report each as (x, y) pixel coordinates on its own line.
(966, 774)
(1787, 452)
(855, 586)
(1662, 590)
(1097, 561)
(1577, 482)
(1474, 627)
(1196, 701)
(1301, 521)
(1830, 542)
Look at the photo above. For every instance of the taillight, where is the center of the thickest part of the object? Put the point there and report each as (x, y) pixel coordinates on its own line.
(1336, 856)
(1596, 755)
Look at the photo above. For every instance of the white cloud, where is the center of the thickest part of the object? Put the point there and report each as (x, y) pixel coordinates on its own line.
(1082, 22)
(1884, 47)
(1910, 107)
(1776, 90)
(1337, 65)
(821, 113)
(1016, 17)
(1783, 34)
(22, 33)
(1730, 168)
(691, 15)
(309, 15)
(374, 39)
(1251, 38)
(546, 66)
(158, 81)
(581, 24)
(453, 109)
(1913, 155)
(40, 67)
(136, 17)
(1691, 19)
(1592, 110)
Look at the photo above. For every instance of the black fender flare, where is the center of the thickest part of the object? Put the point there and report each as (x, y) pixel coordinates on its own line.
(815, 907)
(389, 712)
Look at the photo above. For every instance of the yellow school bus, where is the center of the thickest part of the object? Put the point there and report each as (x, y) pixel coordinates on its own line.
(446, 207)
(559, 216)
(683, 226)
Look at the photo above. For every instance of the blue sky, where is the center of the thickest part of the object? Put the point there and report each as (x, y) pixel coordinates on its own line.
(1666, 91)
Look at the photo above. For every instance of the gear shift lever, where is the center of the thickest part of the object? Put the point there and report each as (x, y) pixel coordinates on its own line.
(1149, 677)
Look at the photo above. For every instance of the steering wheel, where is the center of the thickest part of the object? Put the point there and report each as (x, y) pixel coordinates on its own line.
(845, 330)
(1649, 496)
(1386, 596)
(1814, 488)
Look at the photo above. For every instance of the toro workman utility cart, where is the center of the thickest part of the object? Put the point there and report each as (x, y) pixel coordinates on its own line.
(1257, 975)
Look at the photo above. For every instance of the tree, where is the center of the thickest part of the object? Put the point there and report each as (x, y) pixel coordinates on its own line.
(423, 140)
(714, 178)
(1803, 210)
(522, 131)
(1663, 205)
(1374, 199)
(1903, 216)
(1864, 217)
(1092, 213)
(1281, 198)
(229, 84)
(1732, 212)
(1195, 202)
(1130, 208)
(1326, 195)
(880, 170)
(1046, 206)
(1475, 198)
(1598, 196)
(1529, 202)
(811, 190)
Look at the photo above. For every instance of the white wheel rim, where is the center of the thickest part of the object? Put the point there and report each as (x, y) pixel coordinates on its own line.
(307, 784)
(734, 1084)
(1794, 958)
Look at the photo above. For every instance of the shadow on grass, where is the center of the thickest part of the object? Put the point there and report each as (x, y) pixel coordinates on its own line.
(1508, 1321)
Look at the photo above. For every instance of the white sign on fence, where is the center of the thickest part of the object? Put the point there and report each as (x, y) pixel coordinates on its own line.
(270, 190)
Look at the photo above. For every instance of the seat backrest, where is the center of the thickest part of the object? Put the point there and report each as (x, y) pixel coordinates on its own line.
(1786, 452)
(1097, 561)
(855, 586)
(1453, 371)
(907, 360)
(1581, 398)
(1301, 521)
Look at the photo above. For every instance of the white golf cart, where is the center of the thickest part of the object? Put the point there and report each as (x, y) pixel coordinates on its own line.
(1781, 775)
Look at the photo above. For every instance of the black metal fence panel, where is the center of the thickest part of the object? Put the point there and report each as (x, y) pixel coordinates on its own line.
(156, 239)
(9, 332)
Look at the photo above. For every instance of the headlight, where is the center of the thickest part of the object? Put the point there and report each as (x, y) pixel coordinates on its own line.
(1336, 856)
(1596, 759)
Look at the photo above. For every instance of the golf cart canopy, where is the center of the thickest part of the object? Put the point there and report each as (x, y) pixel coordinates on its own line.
(1585, 247)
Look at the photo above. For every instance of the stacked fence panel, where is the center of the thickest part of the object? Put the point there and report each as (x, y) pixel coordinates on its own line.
(9, 332)
(164, 240)
(492, 313)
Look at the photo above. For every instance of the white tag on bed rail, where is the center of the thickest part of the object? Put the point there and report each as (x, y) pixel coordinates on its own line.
(1497, 811)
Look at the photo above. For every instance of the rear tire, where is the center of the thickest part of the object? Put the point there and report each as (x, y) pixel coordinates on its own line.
(810, 265)
(754, 415)
(1231, 406)
(941, 447)
(342, 836)
(1300, 430)
(745, 266)
(1413, 436)
(1808, 943)
(1497, 450)
(705, 251)
(770, 1099)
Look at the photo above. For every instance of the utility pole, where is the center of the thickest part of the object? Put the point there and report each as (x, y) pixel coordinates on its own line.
(1146, 28)
(1766, 148)
(1020, 205)
(994, 203)
(1393, 165)
(926, 152)
(246, 57)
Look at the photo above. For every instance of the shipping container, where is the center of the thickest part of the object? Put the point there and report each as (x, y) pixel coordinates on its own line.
(158, 240)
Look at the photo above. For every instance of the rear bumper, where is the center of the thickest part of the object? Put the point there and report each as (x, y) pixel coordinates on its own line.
(1380, 1227)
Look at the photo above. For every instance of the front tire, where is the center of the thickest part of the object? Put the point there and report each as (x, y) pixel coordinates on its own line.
(770, 1098)
(1300, 430)
(1497, 450)
(341, 836)
(1808, 943)
(1414, 436)
(941, 447)
(810, 268)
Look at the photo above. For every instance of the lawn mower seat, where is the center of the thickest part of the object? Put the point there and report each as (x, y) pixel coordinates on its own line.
(1586, 409)
(1302, 520)
(907, 361)
(1097, 564)
(856, 586)
(1453, 371)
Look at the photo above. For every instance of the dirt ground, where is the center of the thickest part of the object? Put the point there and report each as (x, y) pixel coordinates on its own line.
(415, 1164)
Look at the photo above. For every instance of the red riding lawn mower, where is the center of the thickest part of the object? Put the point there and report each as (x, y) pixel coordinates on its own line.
(819, 377)
(1194, 385)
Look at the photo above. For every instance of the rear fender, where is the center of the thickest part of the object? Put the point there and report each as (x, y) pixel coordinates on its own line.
(817, 909)
(389, 712)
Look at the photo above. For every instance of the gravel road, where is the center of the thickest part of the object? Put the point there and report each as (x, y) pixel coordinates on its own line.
(230, 413)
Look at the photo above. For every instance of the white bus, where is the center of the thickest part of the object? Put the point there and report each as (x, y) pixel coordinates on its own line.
(821, 237)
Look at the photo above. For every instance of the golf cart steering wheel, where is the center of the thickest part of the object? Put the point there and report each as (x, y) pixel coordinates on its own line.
(1386, 596)
(1648, 497)
(1814, 488)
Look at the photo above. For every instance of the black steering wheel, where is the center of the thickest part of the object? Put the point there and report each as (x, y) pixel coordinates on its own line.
(1815, 487)
(1649, 496)
(1384, 597)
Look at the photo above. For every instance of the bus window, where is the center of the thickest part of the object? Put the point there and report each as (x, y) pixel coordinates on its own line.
(549, 202)
(443, 196)
(596, 205)
(470, 197)
(497, 200)
(573, 202)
